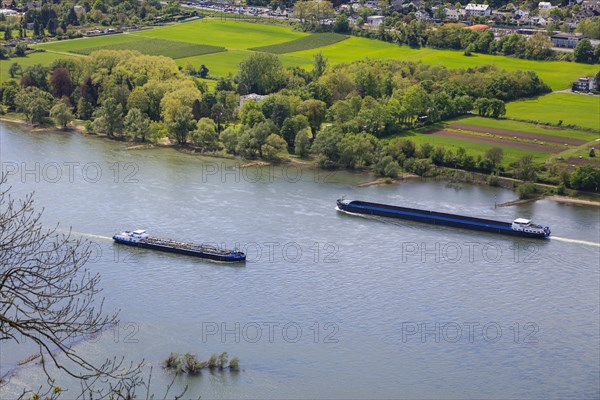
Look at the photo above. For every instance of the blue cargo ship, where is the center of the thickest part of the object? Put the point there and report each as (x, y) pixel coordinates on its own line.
(139, 238)
(519, 227)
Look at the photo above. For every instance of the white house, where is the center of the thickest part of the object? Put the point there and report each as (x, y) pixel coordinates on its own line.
(454, 14)
(479, 10)
(8, 13)
(375, 20)
(422, 15)
(545, 6)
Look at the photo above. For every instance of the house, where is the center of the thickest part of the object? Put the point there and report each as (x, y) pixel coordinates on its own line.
(8, 12)
(545, 6)
(375, 20)
(252, 96)
(79, 10)
(396, 5)
(539, 20)
(566, 40)
(522, 13)
(454, 14)
(422, 15)
(479, 10)
(584, 84)
(6, 3)
(592, 5)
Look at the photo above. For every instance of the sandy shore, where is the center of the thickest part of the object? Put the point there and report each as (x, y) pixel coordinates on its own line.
(570, 200)
(71, 127)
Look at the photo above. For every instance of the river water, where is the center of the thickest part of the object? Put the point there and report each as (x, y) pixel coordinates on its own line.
(328, 305)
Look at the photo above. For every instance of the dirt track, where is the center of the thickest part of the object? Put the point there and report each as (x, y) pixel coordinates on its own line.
(519, 134)
(583, 161)
(499, 142)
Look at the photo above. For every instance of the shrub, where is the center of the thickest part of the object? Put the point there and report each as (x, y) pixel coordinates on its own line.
(528, 190)
(173, 362)
(493, 180)
(234, 364)
(213, 361)
(192, 365)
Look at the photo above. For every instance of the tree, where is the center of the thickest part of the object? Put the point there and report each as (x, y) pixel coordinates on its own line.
(62, 113)
(495, 155)
(273, 147)
(260, 73)
(291, 126)
(178, 118)
(35, 75)
(584, 52)
(62, 84)
(109, 117)
(586, 177)
(15, 69)
(302, 143)
(319, 65)
(341, 24)
(49, 297)
(34, 103)
(315, 112)
(525, 169)
(136, 124)
(9, 89)
(206, 136)
(8, 34)
(203, 71)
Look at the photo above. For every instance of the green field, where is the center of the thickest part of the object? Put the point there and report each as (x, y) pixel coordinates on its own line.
(511, 154)
(313, 41)
(159, 47)
(44, 58)
(230, 34)
(557, 74)
(527, 127)
(242, 36)
(572, 109)
(76, 45)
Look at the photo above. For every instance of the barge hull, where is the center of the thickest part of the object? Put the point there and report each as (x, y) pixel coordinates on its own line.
(176, 250)
(432, 218)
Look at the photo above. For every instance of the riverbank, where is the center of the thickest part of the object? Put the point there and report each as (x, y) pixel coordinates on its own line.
(42, 128)
(444, 173)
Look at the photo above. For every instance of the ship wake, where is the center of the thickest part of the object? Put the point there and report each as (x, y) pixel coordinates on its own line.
(576, 241)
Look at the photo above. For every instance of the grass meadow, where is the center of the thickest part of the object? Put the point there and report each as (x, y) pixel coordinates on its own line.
(313, 41)
(159, 47)
(572, 109)
(528, 127)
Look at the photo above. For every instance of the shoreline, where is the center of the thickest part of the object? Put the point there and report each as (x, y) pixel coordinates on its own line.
(381, 181)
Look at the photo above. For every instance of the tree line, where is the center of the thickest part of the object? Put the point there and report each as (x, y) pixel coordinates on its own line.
(342, 115)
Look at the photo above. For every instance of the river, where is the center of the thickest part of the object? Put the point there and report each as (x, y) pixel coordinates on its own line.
(328, 305)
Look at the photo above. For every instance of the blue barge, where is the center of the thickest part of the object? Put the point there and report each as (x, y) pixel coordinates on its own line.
(139, 238)
(519, 227)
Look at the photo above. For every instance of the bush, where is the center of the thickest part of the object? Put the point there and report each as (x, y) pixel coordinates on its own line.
(560, 189)
(213, 361)
(528, 190)
(89, 128)
(234, 364)
(493, 180)
(192, 365)
(173, 362)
